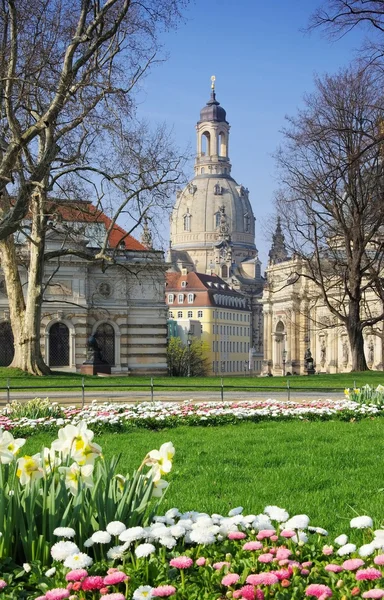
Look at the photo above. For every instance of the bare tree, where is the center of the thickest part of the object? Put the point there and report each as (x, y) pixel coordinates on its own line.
(68, 74)
(331, 198)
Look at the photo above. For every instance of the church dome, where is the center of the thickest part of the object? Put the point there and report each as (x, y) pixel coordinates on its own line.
(212, 111)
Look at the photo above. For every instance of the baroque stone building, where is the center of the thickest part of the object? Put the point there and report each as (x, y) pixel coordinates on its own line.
(212, 224)
(295, 319)
(122, 304)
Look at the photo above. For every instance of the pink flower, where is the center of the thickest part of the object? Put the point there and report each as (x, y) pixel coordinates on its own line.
(327, 550)
(304, 572)
(352, 564)
(252, 546)
(201, 561)
(163, 591)
(57, 594)
(265, 533)
(331, 568)
(220, 565)
(274, 538)
(265, 558)
(379, 560)
(270, 579)
(256, 579)
(41, 598)
(115, 578)
(94, 582)
(369, 573)
(307, 564)
(249, 593)
(3, 584)
(283, 573)
(115, 596)
(318, 590)
(374, 593)
(76, 575)
(283, 553)
(287, 533)
(230, 579)
(181, 562)
(236, 535)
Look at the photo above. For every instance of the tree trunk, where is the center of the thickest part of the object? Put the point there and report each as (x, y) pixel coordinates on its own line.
(25, 316)
(356, 340)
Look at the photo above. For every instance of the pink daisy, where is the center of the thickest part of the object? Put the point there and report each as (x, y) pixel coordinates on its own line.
(115, 578)
(163, 591)
(352, 564)
(252, 546)
(256, 579)
(57, 594)
(94, 582)
(265, 558)
(374, 594)
(76, 575)
(379, 560)
(265, 533)
(331, 568)
(283, 553)
(369, 573)
(236, 535)
(181, 562)
(283, 574)
(201, 561)
(220, 565)
(318, 590)
(287, 533)
(3, 584)
(113, 596)
(230, 579)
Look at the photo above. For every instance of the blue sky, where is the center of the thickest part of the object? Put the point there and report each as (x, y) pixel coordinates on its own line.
(263, 65)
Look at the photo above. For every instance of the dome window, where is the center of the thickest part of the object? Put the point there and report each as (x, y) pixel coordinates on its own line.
(218, 190)
(247, 223)
(187, 221)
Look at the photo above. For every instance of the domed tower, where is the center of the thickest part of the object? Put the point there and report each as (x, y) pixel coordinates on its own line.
(212, 224)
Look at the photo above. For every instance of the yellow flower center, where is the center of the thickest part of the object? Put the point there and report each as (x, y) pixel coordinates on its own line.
(30, 464)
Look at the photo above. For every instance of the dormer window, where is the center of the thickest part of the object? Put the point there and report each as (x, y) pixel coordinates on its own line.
(171, 298)
(183, 284)
(191, 298)
(180, 298)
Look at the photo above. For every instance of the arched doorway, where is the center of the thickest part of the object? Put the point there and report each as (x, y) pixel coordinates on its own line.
(59, 345)
(7, 349)
(105, 335)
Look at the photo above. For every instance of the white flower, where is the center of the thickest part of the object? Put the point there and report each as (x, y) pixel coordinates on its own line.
(27, 567)
(144, 550)
(361, 522)
(168, 541)
(88, 543)
(50, 572)
(341, 540)
(161, 460)
(346, 549)
(297, 522)
(66, 532)
(202, 536)
(76, 441)
(50, 460)
(116, 527)
(276, 513)
(302, 538)
(172, 513)
(367, 549)
(101, 537)
(379, 533)
(318, 530)
(158, 486)
(235, 511)
(116, 552)
(78, 561)
(29, 469)
(76, 475)
(177, 530)
(62, 550)
(9, 447)
(144, 592)
(132, 534)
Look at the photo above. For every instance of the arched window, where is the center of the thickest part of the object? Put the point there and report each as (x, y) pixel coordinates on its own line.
(59, 345)
(206, 143)
(217, 219)
(7, 349)
(187, 222)
(222, 144)
(105, 335)
(224, 271)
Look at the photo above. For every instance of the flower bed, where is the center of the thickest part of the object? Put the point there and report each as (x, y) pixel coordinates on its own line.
(196, 556)
(156, 415)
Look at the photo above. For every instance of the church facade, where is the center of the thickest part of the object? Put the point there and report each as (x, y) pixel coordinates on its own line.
(213, 228)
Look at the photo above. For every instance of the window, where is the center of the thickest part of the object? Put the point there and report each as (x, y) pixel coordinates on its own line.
(171, 298)
(190, 314)
(217, 219)
(199, 314)
(180, 298)
(190, 298)
(183, 284)
(187, 222)
(180, 314)
(170, 314)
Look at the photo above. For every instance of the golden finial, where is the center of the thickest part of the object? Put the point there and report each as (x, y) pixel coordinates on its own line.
(213, 79)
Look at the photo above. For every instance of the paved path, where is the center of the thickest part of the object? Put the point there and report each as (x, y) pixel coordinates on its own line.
(65, 397)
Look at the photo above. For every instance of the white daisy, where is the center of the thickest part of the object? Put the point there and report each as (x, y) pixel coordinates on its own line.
(101, 537)
(202, 536)
(144, 550)
(116, 552)
(144, 592)
(361, 522)
(276, 513)
(341, 540)
(65, 532)
(116, 527)
(62, 550)
(346, 549)
(367, 549)
(297, 522)
(132, 534)
(235, 511)
(80, 560)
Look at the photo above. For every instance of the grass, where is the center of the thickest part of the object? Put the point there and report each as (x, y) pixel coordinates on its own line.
(328, 470)
(20, 380)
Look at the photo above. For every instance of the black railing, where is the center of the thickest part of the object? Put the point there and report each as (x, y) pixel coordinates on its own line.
(151, 386)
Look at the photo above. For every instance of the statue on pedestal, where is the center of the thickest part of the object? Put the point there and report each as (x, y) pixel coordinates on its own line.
(308, 362)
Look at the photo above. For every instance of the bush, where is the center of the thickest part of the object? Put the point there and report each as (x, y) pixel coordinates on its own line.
(183, 359)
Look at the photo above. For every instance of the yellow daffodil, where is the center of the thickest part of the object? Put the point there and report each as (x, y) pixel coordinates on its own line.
(29, 468)
(74, 439)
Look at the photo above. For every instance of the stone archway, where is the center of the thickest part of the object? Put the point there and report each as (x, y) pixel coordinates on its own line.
(59, 345)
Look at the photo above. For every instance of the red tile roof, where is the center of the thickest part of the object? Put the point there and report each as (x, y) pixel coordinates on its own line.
(86, 212)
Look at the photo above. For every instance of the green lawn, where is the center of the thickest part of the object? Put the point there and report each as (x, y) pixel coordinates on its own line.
(329, 470)
(21, 380)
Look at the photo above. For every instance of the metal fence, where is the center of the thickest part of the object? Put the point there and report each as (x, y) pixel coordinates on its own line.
(79, 393)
